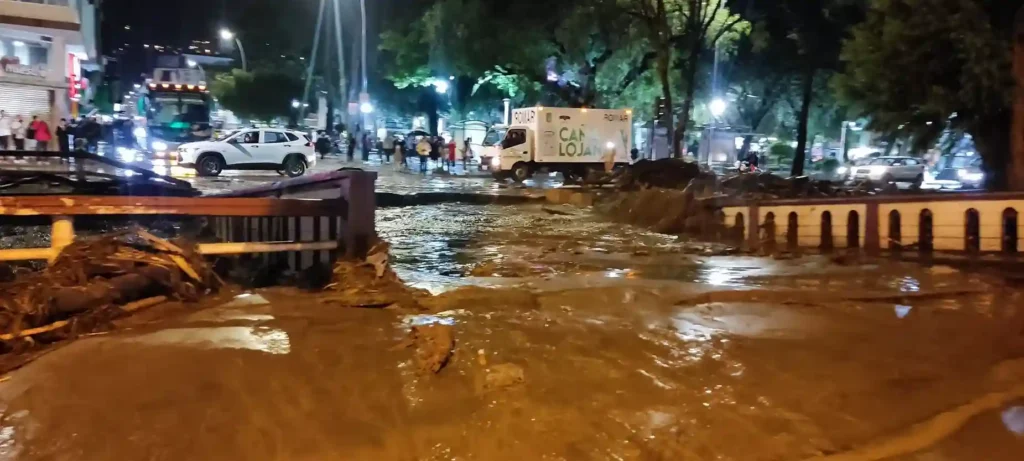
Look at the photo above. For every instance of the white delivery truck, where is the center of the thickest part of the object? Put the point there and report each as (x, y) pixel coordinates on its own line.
(568, 141)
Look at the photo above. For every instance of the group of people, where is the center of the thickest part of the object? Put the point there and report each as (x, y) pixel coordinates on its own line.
(434, 148)
(34, 135)
(426, 148)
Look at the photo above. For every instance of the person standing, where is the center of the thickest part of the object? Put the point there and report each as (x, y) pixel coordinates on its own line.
(351, 138)
(323, 144)
(467, 154)
(18, 131)
(423, 148)
(451, 155)
(399, 154)
(42, 134)
(387, 147)
(30, 134)
(5, 131)
(63, 138)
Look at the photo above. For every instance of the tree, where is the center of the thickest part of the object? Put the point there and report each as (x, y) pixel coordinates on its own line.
(806, 37)
(258, 95)
(922, 67)
(704, 24)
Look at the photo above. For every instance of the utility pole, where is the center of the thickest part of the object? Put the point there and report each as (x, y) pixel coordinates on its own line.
(312, 59)
(342, 83)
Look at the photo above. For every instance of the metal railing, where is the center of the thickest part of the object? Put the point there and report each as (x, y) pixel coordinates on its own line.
(335, 216)
(45, 2)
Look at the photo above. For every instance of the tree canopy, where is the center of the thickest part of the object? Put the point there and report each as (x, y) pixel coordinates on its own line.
(257, 95)
(921, 67)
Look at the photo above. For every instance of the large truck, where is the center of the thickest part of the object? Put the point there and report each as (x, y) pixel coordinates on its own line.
(176, 108)
(563, 140)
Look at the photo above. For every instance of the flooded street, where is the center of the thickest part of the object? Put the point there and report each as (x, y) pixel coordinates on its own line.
(576, 339)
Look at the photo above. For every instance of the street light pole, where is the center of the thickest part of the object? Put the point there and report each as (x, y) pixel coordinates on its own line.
(241, 50)
(226, 34)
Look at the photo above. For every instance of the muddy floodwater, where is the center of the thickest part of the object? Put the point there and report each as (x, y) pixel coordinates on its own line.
(576, 339)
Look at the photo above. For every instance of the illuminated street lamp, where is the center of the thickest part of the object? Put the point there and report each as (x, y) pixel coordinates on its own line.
(296, 104)
(228, 35)
(717, 106)
(441, 86)
(366, 108)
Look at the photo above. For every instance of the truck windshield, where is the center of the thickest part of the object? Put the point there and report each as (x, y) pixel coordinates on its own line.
(494, 136)
(168, 109)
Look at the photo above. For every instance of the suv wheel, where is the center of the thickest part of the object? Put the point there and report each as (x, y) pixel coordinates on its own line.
(294, 166)
(918, 181)
(210, 165)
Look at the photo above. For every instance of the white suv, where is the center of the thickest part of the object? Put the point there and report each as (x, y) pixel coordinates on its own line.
(286, 152)
(890, 169)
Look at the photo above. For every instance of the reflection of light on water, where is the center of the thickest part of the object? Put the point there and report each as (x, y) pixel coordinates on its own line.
(689, 331)
(8, 445)
(910, 284)
(717, 276)
(1013, 419)
(263, 339)
(657, 382)
(902, 311)
(440, 318)
(617, 273)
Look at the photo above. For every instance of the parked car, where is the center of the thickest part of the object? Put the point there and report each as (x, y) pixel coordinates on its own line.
(286, 152)
(887, 170)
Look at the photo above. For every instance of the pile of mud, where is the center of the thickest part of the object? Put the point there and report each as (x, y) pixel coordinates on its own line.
(667, 211)
(94, 281)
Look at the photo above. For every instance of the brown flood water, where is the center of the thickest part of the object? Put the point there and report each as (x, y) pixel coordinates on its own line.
(619, 361)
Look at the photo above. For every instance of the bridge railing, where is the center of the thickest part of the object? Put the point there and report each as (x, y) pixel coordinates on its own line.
(970, 223)
(339, 221)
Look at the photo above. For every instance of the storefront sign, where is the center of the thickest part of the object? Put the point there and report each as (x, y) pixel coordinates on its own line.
(23, 70)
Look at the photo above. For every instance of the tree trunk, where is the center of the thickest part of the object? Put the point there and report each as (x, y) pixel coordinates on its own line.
(1015, 181)
(689, 77)
(800, 156)
(666, 94)
(994, 146)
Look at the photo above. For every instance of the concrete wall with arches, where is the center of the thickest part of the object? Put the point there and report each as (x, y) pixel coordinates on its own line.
(973, 223)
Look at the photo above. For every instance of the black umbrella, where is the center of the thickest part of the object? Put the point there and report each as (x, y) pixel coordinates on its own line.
(414, 133)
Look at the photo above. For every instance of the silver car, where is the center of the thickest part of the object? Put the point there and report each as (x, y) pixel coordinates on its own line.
(887, 170)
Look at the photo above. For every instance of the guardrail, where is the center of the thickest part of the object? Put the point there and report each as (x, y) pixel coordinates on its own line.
(340, 221)
(973, 223)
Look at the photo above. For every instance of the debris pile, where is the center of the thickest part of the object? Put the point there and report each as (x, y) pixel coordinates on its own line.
(94, 281)
(664, 173)
(667, 211)
(371, 283)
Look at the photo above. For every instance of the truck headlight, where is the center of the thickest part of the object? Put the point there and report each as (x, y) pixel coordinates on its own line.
(159, 146)
(126, 155)
(841, 171)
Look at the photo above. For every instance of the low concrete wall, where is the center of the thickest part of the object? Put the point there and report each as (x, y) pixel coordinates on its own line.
(974, 223)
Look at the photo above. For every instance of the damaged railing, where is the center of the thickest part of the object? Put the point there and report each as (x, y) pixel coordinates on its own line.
(309, 230)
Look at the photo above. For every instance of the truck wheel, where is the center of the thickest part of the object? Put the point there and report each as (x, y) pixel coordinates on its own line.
(210, 165)
(520, 172)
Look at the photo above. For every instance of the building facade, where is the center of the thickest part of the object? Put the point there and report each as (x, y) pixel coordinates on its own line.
(44, 45)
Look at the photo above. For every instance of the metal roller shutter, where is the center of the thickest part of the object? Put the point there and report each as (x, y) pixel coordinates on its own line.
(25, 101)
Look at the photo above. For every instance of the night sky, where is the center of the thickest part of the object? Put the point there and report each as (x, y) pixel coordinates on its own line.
(270, 27)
